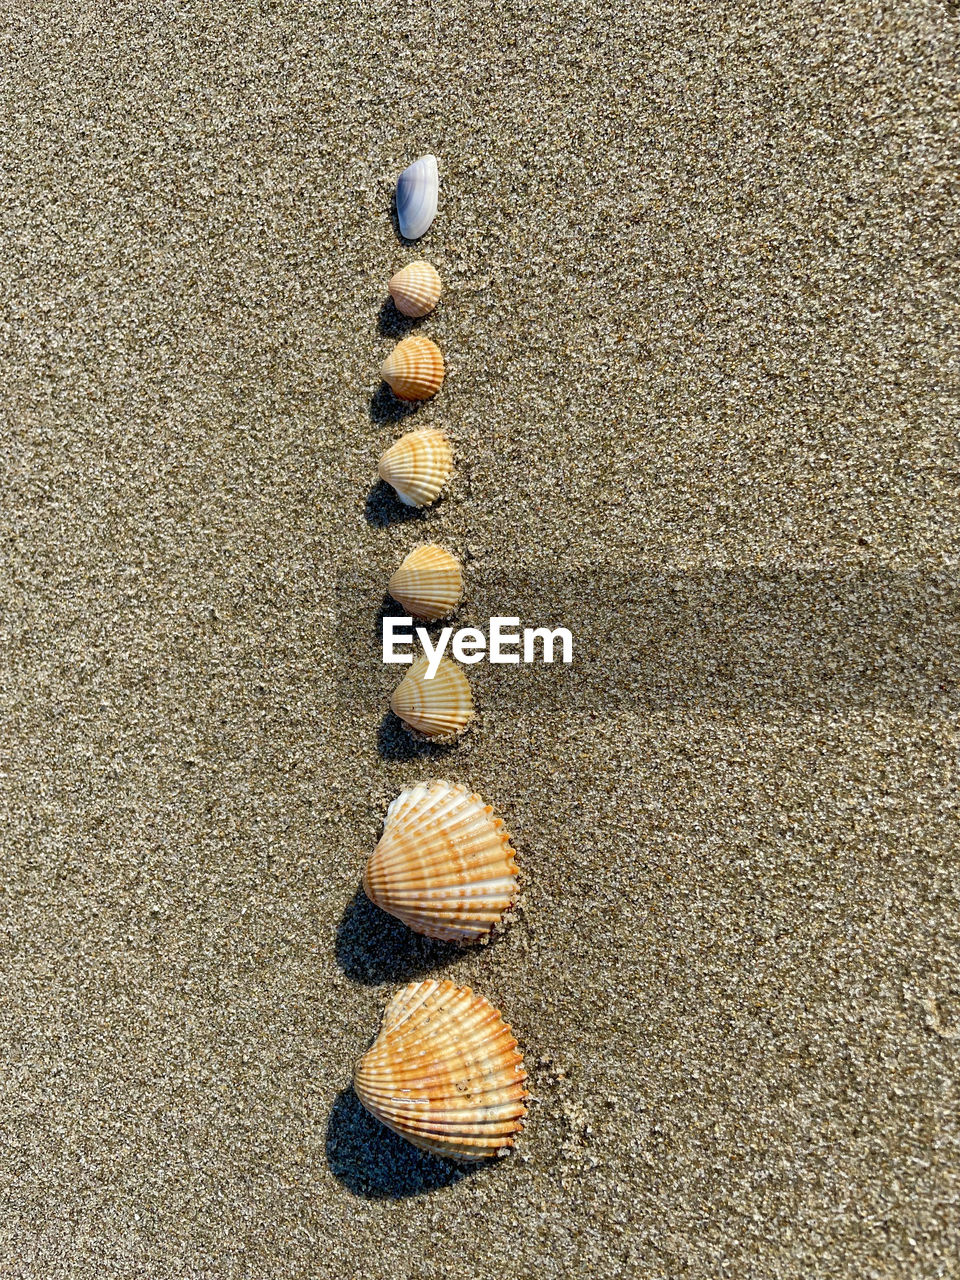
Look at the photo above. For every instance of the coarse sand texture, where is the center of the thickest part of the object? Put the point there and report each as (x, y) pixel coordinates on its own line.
(698, 336)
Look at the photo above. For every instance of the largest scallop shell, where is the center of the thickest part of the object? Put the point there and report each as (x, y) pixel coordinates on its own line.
(445, 1072)
(437, 707)
(444, 864)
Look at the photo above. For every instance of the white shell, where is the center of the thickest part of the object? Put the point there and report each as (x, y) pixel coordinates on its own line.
(417, 189)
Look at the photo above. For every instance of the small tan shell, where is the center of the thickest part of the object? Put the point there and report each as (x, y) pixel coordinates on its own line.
(415, 289)
(414, 368)
(429, 583)
(445, 1072)
(437, 708)
(444, 864)
(418, 465)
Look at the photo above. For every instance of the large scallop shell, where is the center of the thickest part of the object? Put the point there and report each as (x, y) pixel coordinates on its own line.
(417, 190)
(437, 708)
(444, 864)
(418, 465)
(428, 583)
(414, 368)
(415, 289)
(445, 1072)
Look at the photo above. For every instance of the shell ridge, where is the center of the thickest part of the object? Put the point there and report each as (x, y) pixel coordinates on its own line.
(421, 856)
(468, 1024)
(417, 466)
(450, 1079)
(444, 865)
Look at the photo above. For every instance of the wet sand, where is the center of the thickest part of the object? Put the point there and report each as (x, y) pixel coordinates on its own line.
(700, 295)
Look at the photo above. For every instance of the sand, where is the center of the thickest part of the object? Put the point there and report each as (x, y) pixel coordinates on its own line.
(699, 319)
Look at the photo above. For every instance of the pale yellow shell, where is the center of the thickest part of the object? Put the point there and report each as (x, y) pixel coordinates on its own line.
(428, 583)
(445, 1072)
(437, 708)
(415, 289)
(418, 465)
(444, 864)
(414, 368)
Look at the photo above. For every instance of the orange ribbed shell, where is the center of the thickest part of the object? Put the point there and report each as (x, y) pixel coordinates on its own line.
(429, 582)
(437, 708)
(414, 368)
(417, 466)
(445, 1072)
(415, 289)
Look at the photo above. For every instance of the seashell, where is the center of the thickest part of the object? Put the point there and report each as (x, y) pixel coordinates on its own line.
(417, 189)
(414, 368)
(415, 289)
(437, 708)
(418, 465)
(445, 1072)
(444, 864)
(428, 583)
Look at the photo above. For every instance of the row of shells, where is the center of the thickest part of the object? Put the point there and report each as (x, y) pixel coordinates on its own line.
(445, 1071)
(419, 464)
(429, 584)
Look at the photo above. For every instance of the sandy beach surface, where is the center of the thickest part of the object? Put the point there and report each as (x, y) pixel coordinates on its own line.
(700, 324)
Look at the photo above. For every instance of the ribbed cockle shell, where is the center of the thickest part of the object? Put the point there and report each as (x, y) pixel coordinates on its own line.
(444, 864)
(418, 465)
(414, 368)
(417, 190)
(437, 708)
(428, 583)
(415, 289)
(445, 1072)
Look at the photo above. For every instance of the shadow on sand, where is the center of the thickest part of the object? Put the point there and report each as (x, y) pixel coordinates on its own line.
(392, 323)
(394, 742)
(372, 947)
(386, 407)
(372, 1161)
(384, 508)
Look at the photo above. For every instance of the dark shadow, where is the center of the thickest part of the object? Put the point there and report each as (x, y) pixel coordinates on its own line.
(384, 508)
(389, 608)
(372, 947)
(386, 407)
(392, 323)
(372, 1161)
(395, 742)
